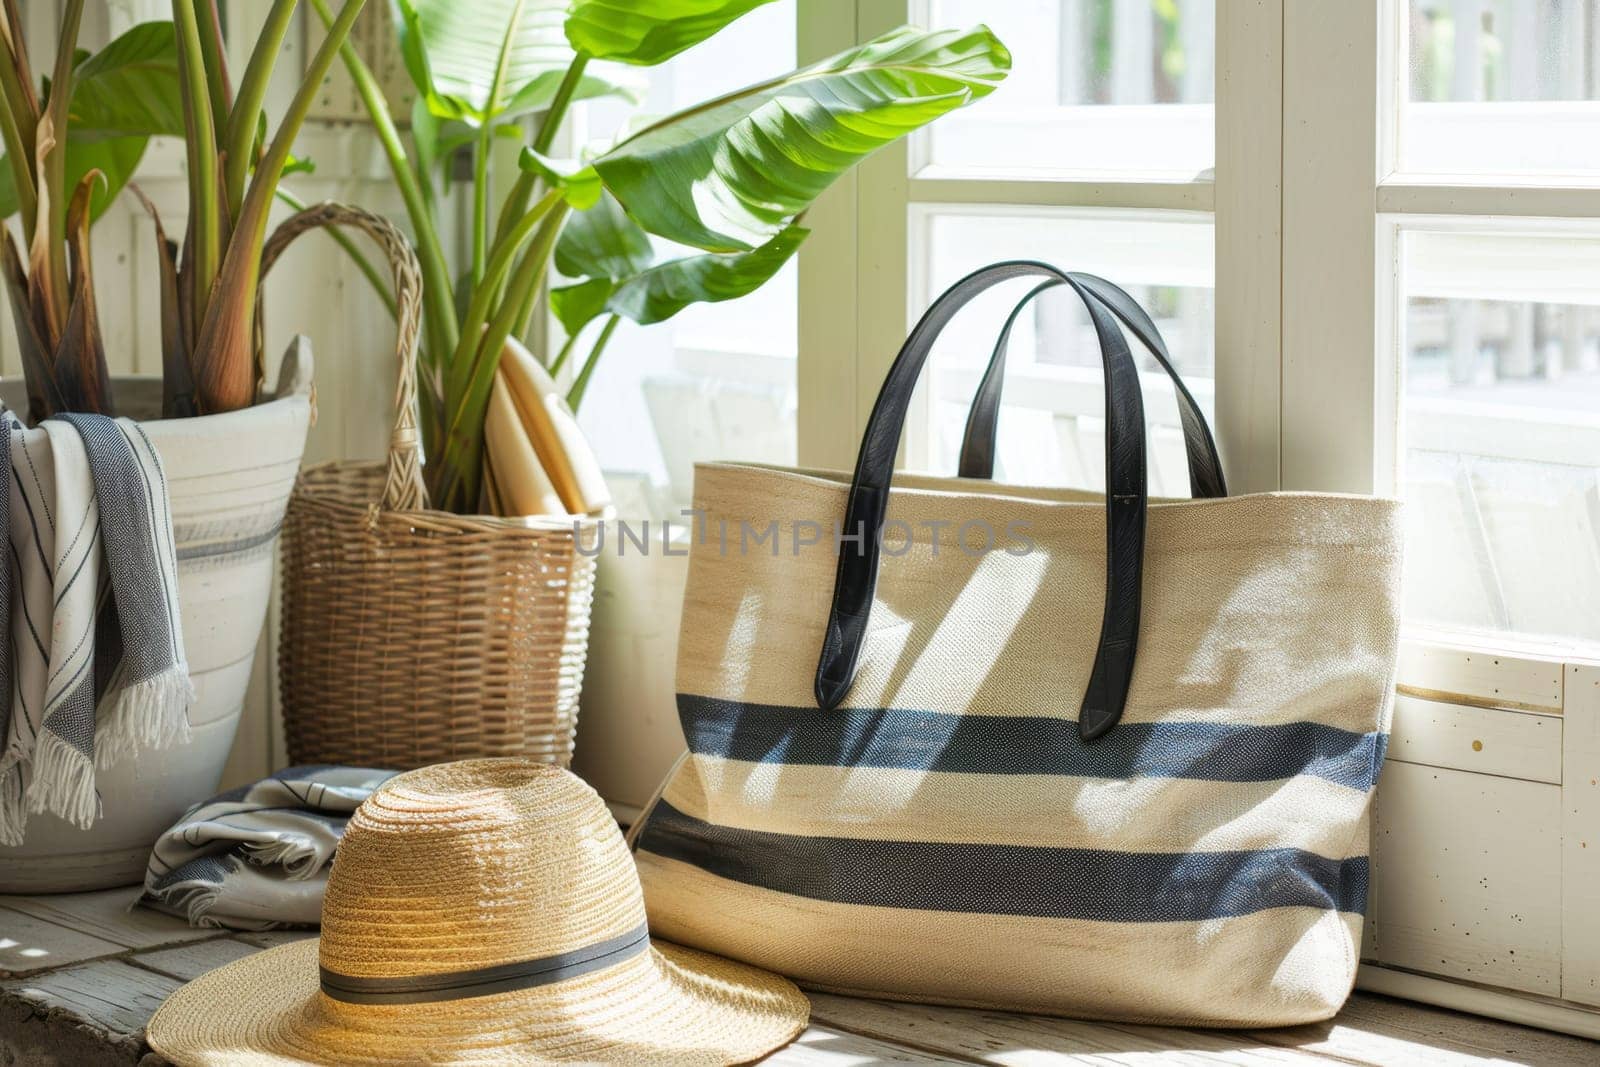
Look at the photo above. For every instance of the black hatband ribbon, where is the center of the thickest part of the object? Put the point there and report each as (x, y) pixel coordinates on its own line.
(483, 981)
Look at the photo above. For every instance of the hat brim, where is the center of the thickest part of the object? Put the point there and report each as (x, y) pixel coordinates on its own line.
(669, 1005)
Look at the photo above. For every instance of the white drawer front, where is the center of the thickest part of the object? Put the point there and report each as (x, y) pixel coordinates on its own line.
(1513, 744)
(1464, 877)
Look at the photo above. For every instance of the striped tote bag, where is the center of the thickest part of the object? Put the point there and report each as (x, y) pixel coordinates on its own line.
(1030, 749)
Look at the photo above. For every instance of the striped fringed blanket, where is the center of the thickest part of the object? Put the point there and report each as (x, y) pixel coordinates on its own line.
(93, 668)
(257, 857)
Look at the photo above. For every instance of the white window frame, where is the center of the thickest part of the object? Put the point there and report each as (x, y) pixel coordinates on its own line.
(1344, 206)
(1307, 210)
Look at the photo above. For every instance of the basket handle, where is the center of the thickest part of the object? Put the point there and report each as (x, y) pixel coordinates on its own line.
(403, 487)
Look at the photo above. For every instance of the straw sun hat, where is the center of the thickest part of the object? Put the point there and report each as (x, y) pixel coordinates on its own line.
(480, 912)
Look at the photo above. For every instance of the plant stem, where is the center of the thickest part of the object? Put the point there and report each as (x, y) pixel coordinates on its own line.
(566, 350)
(524, 319)
(463, 447)
(439, 319)
(559, 103)
(425, 138)
(18, 153)
(215, 53)
(581, 383)
(240, 138)
(21, 71)
(480, 157)
(512, 210)
(50, 254)
(276, 156)
(205, 240)
(224, 380)
(515, 205)
(530, 272)
(459, 372)
(480, 204)
(19, 115)
(363, 264)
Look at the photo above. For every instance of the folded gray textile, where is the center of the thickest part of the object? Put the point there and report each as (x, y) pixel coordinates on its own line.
(92, 667)
(257, 857)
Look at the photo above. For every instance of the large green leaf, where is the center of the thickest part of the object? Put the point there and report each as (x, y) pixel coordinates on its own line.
(667, 288)
(659, 292)
(121, 95)
(646, 34)
(452, 49)
(579, 184)
(129, 87)
(603, 242)
(575, 306)
(116, 158)
(730, 174)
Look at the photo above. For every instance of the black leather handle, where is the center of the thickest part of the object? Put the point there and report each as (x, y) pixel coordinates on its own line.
(857, 576)
(978, 443)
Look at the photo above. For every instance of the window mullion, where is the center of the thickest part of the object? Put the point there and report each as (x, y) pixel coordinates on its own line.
(830, 297)
(1249, 203)
(1337, 429)
(883, 251)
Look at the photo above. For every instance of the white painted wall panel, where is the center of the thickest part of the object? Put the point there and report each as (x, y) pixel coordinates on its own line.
(1580, 838)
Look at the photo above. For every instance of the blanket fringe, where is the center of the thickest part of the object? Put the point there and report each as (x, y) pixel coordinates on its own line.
(13, 812)
(63, 781)
(153, 713)
(298, 859)
(193, 899)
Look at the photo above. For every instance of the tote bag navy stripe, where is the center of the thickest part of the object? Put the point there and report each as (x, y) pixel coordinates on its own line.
(1103, 885)
(1005, 744)
(1125, 774)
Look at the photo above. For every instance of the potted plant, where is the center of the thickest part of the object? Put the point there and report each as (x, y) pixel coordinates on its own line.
(729, 180)
(229, 448)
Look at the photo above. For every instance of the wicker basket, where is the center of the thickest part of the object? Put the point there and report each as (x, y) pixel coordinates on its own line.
(413, 636)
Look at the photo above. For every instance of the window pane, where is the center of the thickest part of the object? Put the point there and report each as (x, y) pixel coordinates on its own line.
(1120, 86)
(1052, 420)
(718, 380)
(1502, 86)
(1502, 417)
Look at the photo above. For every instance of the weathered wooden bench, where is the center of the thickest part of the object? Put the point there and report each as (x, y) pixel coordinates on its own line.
(81, 974)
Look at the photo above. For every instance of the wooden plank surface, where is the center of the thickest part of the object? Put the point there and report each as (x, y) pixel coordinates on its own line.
(1003, 1038)
(185, 962)
(109, 994)
(1383, 1032)
(92, 1013)
(824, 1046)
(106, 914)
(29, 944)
(273, 938)
(95, 1012)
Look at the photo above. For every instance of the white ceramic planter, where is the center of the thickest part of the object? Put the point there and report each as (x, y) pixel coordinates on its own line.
(628, 731)
(230, 477)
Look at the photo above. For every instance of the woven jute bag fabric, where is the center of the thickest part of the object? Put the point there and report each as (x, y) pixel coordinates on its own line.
(461, 870)
(971, 821)
(410, 635)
